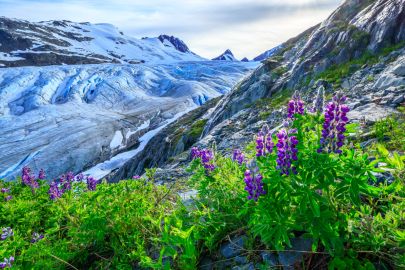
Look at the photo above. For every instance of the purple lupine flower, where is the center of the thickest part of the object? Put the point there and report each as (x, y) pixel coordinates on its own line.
(136, 177)
(5, 190)
(91, 183)
(36, 237)
(206, 156)
(79, 177)
(334, 125)
(238, 156)
(66, 181)
(195, 153)
(54, 191)
(6, 233)
(8, 198)
(264, 142)
(28, 178)
(319, 100)
(7, 262)
(254, 184)
(286, 151)
(41, 174)
(295, 105)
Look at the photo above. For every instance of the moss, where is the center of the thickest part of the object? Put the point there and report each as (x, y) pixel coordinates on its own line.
(335, 73)
(197, 128)
(280, 71)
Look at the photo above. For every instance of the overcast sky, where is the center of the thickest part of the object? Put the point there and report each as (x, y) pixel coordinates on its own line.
(247, 27)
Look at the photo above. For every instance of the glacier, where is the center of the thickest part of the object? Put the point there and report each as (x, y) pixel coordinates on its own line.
(79, 117)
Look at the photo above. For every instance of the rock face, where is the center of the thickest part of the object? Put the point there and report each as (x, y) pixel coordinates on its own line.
(368, 31)
(176, 42)
(24, 43)
(70, 118)
(226, 56)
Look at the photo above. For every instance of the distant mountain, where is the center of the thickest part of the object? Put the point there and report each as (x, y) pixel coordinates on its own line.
(177, 43)
(24, 43)
(226, 56)
(244, 59)
(267, 54)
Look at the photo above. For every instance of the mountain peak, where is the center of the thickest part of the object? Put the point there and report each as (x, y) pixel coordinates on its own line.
(226, 56)
(176, 42)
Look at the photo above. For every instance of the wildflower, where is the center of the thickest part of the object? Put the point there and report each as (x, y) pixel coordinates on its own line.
(91, 183)
(136, 177)
(6, 233)
(319, 100)
(66, 181)
(36, 237)
(334, 125)
(264, 142)
(195, 153)
(286, 151)
(41, 174)
(206, 156)
(28, 178)
(54, 191)
(79, 177)
(7, 262)
(9, 197)
(295, 105)
(5, 190)
(238, 156)
(254, 184)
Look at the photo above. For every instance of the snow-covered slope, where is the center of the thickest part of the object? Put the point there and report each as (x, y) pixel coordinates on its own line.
(63, 118)
(226, 56)
(267, 53)
(25, 43)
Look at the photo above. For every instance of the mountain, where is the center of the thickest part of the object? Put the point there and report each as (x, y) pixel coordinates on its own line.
(359, 49)
(244, 59)
(226, 56)
(24, 43)
(267, 54)
(177, 43)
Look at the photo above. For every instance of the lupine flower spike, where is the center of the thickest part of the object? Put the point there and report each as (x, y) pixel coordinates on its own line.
(238, 156)
(286, 151)
(6, 233)
(91, 183)
(36, 237)
(136, 177)
(28, 178)
(54, 191)
(206, 156)
(254, 183)
(334, 126)
(319, 100)
(295, 105)
(41, 174)
(264, 142)
(7, 262)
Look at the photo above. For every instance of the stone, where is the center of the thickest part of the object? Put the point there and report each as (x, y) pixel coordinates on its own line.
(233, 247)
(270, 259)
(382, 178)
(399, 69)
(290, 257)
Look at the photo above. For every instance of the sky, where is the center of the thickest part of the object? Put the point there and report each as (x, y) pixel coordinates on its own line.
(208, 27)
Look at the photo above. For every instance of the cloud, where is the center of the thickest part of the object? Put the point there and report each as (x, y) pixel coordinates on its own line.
(248, 27)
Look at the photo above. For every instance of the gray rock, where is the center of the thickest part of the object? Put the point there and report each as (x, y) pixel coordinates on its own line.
(289, 258)
(383, 178)
(249, 266)
(399, 69)
(270, 259)
(241, 260)
(232, 248)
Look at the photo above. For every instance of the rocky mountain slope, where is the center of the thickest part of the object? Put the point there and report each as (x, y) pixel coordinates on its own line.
(359, 48)
(24, 43)
(226, 56)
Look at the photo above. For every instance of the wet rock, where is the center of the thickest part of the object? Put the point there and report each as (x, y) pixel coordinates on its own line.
(270, 259)
(233, 248)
